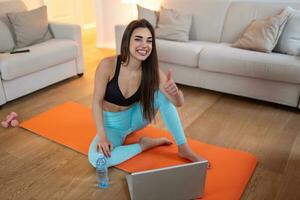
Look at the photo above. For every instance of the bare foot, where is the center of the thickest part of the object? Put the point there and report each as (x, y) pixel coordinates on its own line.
(186, 152)
(147, 142)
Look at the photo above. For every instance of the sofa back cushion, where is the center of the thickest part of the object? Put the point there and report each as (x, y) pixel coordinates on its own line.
(173, 26)
(241, 13)
(207, 17)
(30, 27)
(262, 35)
(148, 14)
(7, 6)
(6, 39)
(289, 41)
(6, 35)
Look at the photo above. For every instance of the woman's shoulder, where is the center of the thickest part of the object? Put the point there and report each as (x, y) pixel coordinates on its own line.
(108, 61)
(107, 65)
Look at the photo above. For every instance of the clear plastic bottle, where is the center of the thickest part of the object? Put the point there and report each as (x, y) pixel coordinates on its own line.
(102, 172)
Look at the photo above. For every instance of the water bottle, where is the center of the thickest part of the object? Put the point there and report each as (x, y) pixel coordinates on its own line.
(102, 171)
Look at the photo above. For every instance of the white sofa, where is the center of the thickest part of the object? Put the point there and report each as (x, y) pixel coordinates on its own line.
(45, 64)
(208, 61)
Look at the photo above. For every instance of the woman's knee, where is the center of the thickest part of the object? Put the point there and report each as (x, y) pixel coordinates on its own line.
(92, 157)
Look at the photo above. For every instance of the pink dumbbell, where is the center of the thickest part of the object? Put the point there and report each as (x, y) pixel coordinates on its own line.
(11, 119)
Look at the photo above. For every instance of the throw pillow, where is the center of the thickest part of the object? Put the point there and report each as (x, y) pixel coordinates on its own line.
(149, 15)
(30, 27)
(262, 35)
(289, 41)
(173, 26)
(6, 39)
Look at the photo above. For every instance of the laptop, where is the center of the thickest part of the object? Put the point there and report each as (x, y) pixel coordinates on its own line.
(180, 182)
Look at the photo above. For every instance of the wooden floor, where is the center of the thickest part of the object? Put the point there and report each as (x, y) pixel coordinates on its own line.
(32, 167)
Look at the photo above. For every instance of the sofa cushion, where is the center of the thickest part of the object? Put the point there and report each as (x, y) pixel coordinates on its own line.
(150, 15)
(30, 27)
(241, 13)
(173, 26)
(180, 53)
(208, 17)
(262, 35)
(11, 6)
(6, 38)
(225, 59)
(289, 41)
(41, 56)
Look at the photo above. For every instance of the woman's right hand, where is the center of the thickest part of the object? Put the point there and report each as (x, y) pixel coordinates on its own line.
(104, 146)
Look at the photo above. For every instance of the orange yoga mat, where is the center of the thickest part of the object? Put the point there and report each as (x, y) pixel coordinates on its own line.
(71, 124)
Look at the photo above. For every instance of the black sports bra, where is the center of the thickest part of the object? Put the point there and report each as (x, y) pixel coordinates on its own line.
(113, 93)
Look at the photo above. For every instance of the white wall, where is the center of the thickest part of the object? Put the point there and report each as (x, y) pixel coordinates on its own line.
(108, 14)
(112, 12)
(81, 12)
(89, 16)
(58, 10)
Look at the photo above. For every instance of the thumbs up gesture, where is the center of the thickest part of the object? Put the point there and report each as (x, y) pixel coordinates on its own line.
(170, 86)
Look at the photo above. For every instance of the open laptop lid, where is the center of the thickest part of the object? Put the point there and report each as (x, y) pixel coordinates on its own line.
(184, 181)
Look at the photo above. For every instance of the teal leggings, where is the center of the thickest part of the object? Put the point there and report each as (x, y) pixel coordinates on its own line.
(118, 125)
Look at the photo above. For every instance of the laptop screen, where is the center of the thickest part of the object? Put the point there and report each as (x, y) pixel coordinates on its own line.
(184, 181)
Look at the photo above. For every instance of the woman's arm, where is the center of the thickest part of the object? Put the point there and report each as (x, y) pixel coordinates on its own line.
(101, 80)
(170, 89)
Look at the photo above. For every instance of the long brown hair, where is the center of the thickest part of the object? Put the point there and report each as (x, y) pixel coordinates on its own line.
(150, 70)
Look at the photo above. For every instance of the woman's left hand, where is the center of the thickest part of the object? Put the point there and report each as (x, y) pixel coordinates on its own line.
(170, 86)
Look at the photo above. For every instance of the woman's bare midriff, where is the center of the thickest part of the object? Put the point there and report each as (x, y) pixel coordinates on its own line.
(110, 107)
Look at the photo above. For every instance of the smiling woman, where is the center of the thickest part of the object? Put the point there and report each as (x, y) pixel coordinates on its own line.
(129, 90)
(138, 42)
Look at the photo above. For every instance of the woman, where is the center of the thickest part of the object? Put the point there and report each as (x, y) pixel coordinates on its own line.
(129, 89)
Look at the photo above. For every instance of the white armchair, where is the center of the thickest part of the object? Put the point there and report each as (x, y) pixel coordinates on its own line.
(46, 63)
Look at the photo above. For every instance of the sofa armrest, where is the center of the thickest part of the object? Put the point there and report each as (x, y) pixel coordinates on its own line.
(119, 30)
(72, 32)
(65, 31)
(2, 94)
